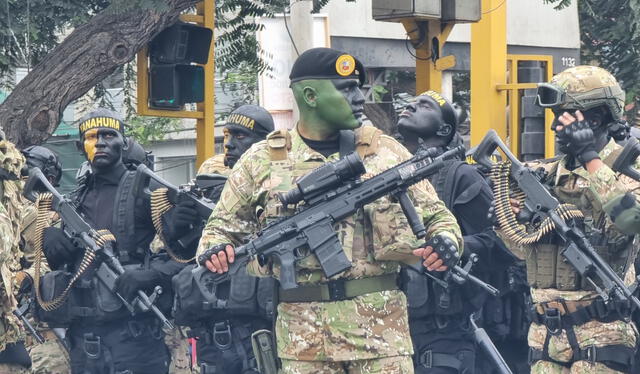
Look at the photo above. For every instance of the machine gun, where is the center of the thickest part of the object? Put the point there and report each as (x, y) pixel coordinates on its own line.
(198, 192)
(331, 193)
(553, 216)
(84, 236)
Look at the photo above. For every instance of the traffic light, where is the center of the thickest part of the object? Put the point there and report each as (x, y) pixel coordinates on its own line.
(174, 80)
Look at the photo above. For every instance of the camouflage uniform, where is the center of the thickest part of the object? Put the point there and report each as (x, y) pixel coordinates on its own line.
(574, 331)
(11, 160)
(364, 329)
(215, 165)
(589, 193)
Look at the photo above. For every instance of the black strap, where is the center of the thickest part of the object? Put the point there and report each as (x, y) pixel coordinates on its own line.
(429, 359)
(6, 175)
(617, 357)
(347, 142)
(16, 354)
(598, 310)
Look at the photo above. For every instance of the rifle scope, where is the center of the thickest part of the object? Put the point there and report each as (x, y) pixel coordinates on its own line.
(324, 178)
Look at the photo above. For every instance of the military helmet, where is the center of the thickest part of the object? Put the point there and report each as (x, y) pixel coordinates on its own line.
(582, 88)
(135, 154)
(44, 159)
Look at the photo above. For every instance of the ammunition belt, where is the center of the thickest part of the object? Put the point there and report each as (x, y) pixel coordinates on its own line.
(514, 230)
(160, 205)
(43, 204)
(340, 289)
(563, 314)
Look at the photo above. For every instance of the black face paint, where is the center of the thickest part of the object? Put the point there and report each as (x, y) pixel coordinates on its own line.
(103, 148)
(237, 140)
(420, 119)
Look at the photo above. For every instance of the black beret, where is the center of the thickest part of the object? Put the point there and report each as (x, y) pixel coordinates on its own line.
(326, 63)
(253, 117)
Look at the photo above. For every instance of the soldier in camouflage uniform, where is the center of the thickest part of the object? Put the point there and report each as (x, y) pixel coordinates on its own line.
(13, 355)
(363, 328)
(573, 330)
(50, 357)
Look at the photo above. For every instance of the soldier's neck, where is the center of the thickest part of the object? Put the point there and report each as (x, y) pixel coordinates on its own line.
(314, 129)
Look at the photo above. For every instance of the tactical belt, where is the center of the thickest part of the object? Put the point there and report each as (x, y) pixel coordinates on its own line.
(562, 314)
(340, 289)
(617, 357)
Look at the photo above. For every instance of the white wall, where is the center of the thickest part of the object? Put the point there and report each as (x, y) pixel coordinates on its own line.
(529, 22)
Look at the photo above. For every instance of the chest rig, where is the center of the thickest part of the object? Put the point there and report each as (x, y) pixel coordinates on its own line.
(283, 173)
(546, 267)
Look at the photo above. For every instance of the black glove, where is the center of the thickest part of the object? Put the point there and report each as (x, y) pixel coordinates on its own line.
(181, 218)
(580, 140)
(58, 249)
(203, 258)
(133, 280)
(446, 249)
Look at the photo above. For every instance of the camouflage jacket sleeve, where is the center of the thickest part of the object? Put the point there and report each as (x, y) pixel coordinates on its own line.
(234, 217)
(436, 217)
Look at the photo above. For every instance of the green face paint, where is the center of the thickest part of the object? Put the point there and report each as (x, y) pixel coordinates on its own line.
(327, 106)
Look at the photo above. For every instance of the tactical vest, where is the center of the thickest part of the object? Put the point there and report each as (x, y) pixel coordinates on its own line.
(282, 170)
(546, 267)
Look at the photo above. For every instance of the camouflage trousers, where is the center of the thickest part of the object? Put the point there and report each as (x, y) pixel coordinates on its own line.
(179, 350)
(385, 365)
(14, 369)
(49, 357)
(593, 333)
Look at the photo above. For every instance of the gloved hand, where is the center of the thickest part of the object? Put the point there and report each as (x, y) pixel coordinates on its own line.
(133, 280)
(58, 249)
(182, 218)
(580, 141)
(439, 253)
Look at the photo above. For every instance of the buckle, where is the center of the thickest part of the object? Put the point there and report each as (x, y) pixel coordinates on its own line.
(590, 352)
(91, 345)
(441, 321)
(426, 359)
(337, 290)
(553, 320)
(221, 329)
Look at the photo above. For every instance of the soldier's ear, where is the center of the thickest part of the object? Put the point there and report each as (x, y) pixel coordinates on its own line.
(310, 96)
(445, 130)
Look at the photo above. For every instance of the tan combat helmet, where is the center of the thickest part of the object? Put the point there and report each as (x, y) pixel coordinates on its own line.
(582, 88)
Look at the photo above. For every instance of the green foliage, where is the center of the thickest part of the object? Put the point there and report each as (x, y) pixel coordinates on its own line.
(610, 36)
(149, 129)
(378, 92)
(559, 4)
(241, 85)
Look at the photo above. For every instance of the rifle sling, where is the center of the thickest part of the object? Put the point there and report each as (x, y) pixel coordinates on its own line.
(338, 290)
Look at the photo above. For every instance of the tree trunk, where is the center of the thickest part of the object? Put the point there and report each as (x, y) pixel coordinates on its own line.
(380, 117)
(87, 56)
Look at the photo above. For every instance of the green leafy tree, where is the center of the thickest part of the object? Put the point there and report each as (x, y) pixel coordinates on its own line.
(610, 36)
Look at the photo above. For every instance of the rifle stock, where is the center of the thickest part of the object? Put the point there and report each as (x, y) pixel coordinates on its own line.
(626, 160)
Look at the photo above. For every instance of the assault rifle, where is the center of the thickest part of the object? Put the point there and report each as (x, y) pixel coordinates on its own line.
(578, 250)
(21, 312)
(84, 236)
(197, 192)
(330, 193)
(484, 341)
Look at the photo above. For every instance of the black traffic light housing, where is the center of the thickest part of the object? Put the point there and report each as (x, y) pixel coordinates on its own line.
(173, 80)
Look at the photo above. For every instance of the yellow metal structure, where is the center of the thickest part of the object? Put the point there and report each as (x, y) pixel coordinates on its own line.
(488, 68)
(429, 69)
(205, 113)
(514, 95)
